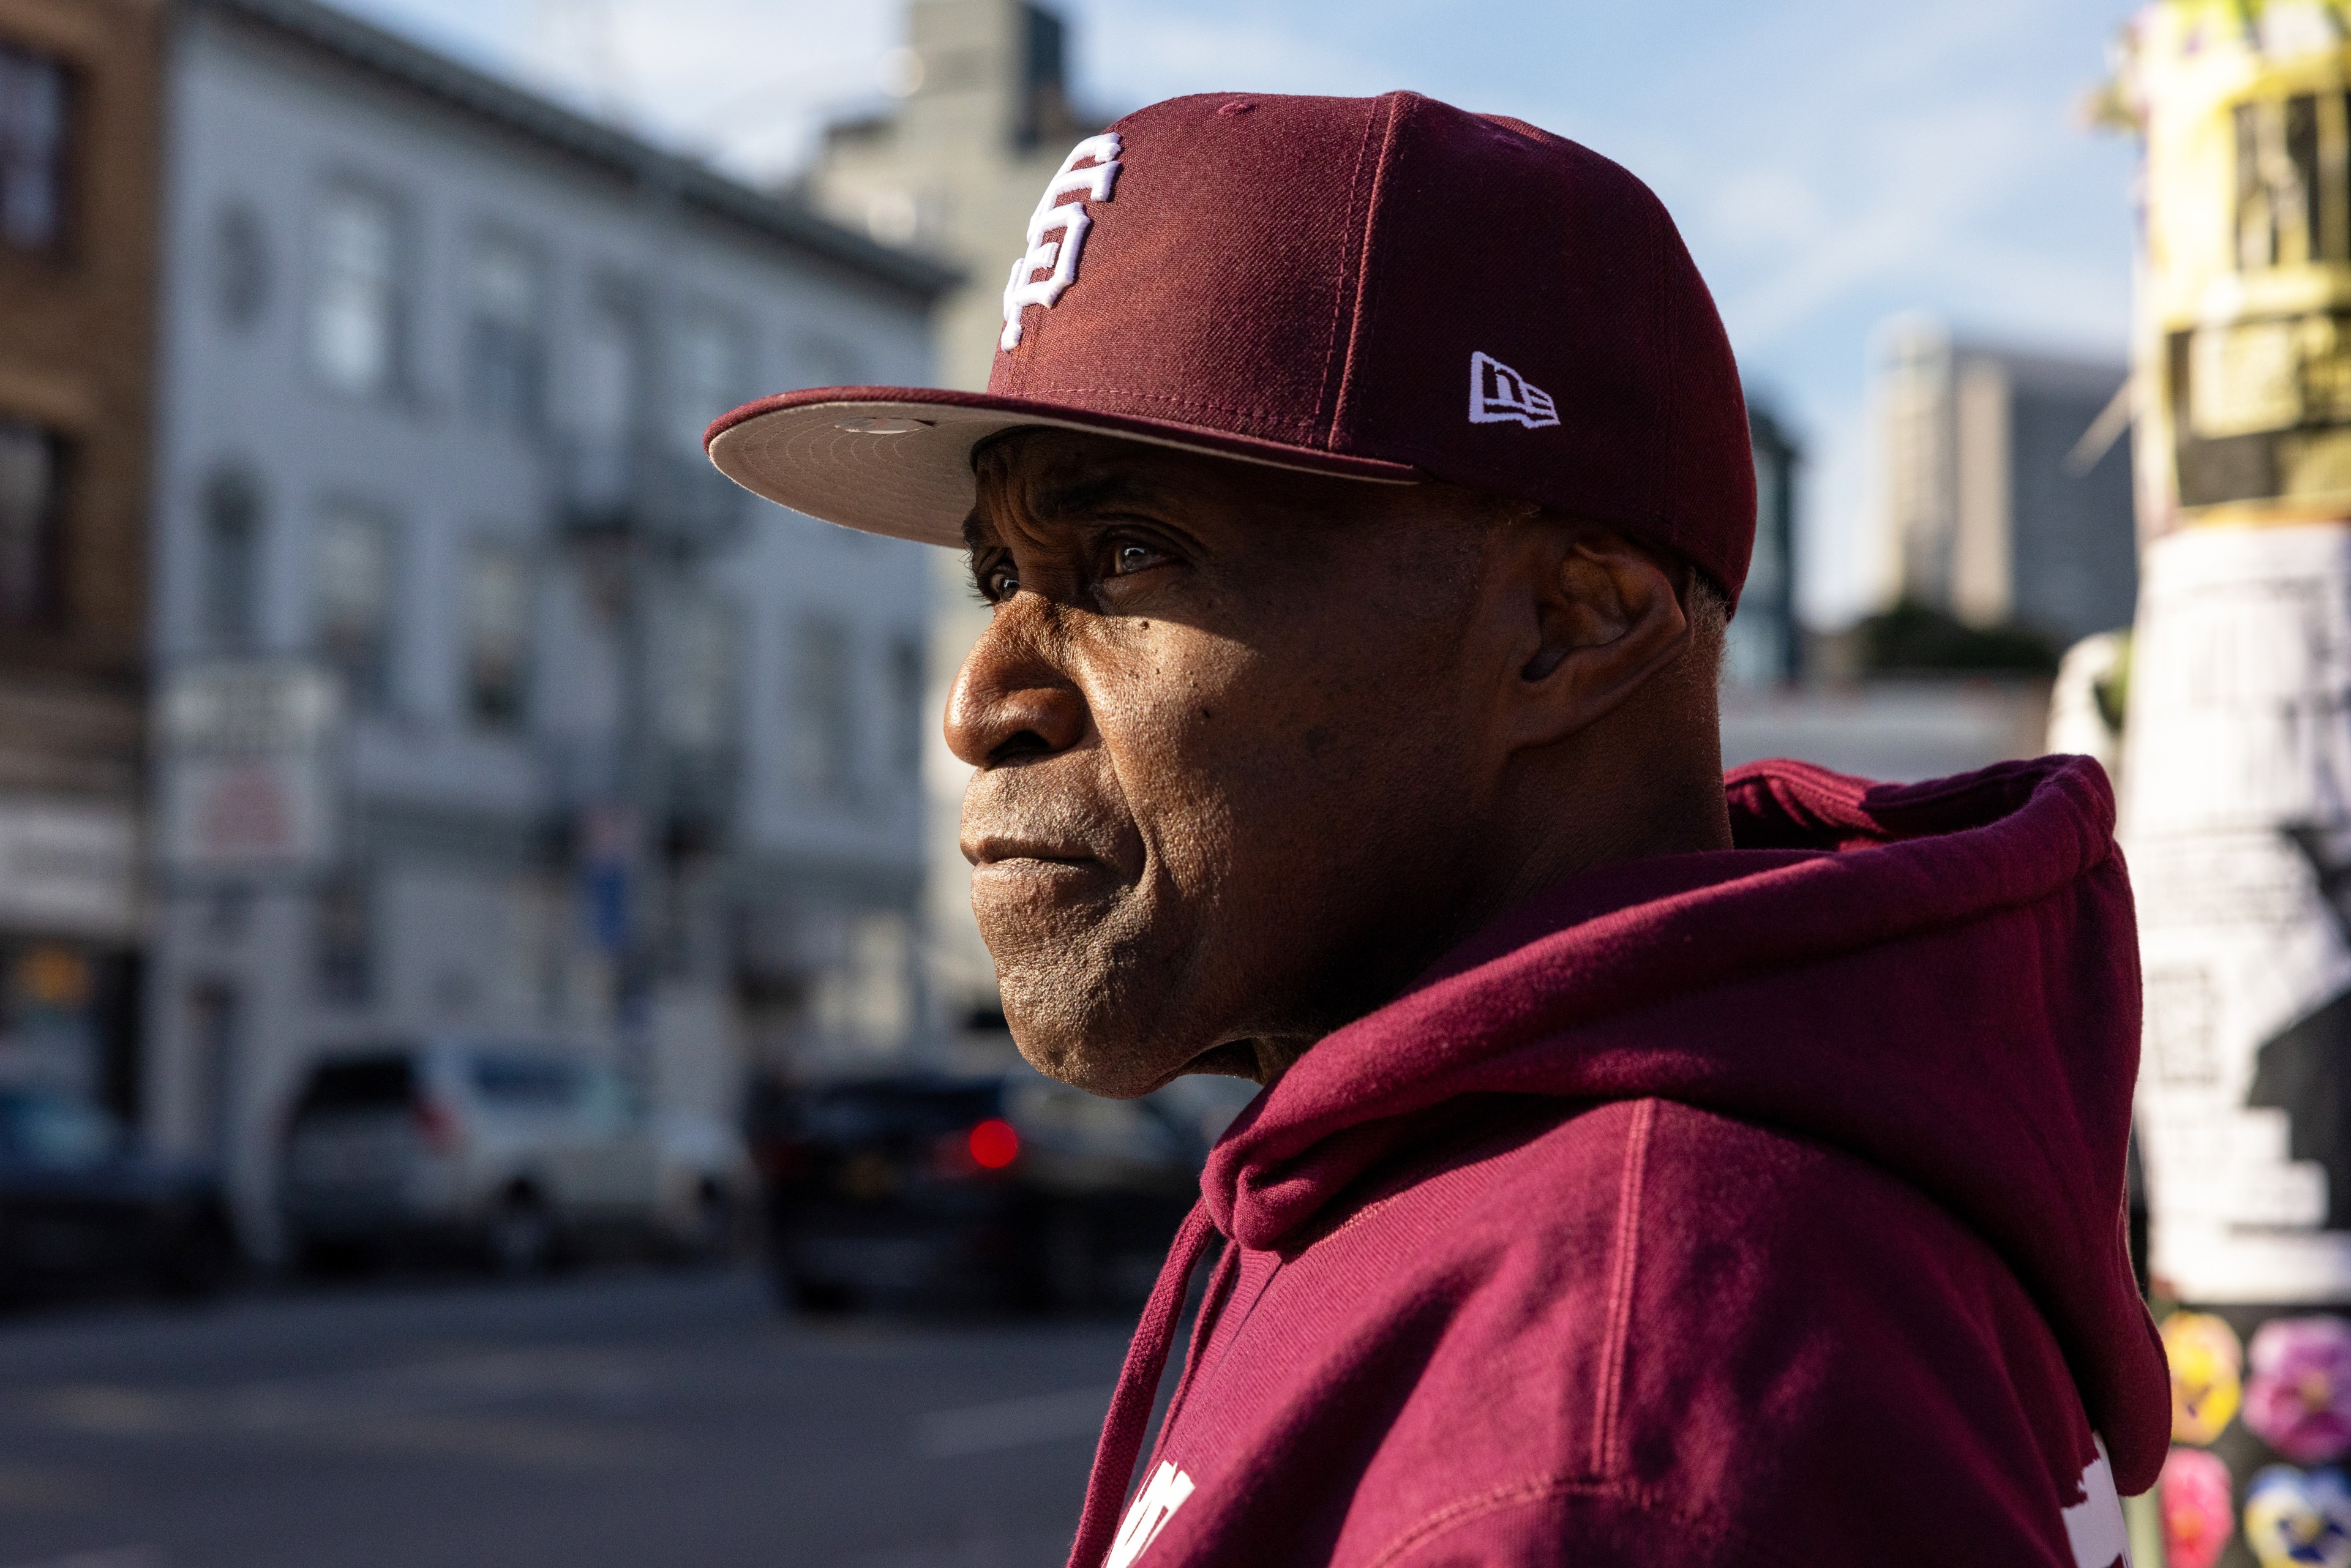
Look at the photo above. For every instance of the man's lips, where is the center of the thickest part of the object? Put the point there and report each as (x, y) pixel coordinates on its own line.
(998, 849)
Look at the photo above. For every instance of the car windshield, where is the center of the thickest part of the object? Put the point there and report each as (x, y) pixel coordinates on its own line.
(377, 1082)
(865, 1112)
(48, 1129)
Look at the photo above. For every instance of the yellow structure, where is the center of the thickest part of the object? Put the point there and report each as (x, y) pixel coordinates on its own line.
(2245, 291)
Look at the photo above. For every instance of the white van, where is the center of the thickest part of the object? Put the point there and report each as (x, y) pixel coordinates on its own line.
(523, 1154)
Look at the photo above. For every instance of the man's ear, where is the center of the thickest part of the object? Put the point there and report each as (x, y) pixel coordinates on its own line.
(1604, 616)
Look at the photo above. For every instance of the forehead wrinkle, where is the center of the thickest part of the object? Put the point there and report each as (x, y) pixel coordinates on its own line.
(1075, 498)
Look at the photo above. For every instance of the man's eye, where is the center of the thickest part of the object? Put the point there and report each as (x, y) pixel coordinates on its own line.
(999, 584)
(1130, 557)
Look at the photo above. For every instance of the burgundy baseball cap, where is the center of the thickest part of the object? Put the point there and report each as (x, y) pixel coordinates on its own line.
(1383, 288)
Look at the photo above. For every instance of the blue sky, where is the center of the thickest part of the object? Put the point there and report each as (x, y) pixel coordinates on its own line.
(1830, 162)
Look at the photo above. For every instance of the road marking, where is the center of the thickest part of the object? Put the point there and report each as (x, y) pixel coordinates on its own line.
(119, 1557)
(1012, 1423)
(419, 1388)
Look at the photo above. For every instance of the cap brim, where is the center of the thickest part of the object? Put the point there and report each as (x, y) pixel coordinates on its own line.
(897, 460)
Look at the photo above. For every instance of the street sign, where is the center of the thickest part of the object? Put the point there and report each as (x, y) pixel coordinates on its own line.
(248, 768)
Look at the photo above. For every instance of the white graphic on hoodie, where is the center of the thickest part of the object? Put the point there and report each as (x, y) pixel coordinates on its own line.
(1155, 1504)
(2094, 1526)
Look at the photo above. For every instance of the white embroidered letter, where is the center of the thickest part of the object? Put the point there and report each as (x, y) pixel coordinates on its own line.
(1152, 1506)
(1498, 394)
(1059, 258)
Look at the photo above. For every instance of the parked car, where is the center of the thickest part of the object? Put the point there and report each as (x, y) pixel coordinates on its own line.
(82, 1208)
(520, 1155)
(1012, 1190)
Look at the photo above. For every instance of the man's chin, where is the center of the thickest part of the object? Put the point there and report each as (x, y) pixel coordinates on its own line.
(1061, 1036)
(1082, 965)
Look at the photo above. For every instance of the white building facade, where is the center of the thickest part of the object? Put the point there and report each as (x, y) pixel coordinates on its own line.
(954, 170)
(612, 755)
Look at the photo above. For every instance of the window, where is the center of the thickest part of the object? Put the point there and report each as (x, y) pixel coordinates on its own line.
(351, 602)
(907, 705)
(527, 1083)
(506, 353)
(702, 376)
(32, 150)
(229, 577)
(355, 307)
(824, 764)
(497, 635)
(240, 265)
(697, 675)
(373, 1082)
(607, 371)
(32, 486)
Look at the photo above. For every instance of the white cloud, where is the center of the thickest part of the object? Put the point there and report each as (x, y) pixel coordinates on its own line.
(746, 83)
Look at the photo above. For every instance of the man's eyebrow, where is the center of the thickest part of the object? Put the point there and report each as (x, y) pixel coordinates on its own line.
(1094, 494)
(1067, 502)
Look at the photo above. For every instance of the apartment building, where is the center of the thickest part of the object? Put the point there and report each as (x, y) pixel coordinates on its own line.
(486, 705)
(79, 150)
(2006, 482)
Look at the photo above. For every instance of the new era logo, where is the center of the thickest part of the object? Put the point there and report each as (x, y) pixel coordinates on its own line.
(1498, 394)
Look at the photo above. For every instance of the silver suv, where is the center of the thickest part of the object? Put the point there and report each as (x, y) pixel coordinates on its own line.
(522, 1153)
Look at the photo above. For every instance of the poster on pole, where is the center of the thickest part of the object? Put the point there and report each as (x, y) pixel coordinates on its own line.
(2238, 830)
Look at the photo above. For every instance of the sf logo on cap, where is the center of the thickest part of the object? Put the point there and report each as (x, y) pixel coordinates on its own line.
(1058, 258)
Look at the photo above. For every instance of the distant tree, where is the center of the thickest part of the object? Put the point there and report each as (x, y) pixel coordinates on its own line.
(1917, 638)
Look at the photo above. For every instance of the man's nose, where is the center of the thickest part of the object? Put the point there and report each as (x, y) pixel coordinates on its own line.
(1010, 700)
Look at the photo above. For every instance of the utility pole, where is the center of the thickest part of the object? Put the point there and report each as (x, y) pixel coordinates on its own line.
(2237, 759)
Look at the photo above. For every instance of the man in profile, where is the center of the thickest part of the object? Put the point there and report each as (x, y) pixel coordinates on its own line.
(1652, 1167)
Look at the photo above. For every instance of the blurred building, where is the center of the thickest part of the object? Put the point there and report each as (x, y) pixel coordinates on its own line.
(79, 88)
(1765, 645)
(2007, 487)
(954, 170)
(486, 705)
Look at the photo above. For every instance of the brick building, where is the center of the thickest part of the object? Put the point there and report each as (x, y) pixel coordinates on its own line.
(80, 90)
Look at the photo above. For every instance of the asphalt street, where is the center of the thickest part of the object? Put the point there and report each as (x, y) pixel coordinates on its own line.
(593, 1422)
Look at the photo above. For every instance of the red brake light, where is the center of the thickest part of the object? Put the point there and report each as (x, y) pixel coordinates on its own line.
(436, 1125)
(994, 1144)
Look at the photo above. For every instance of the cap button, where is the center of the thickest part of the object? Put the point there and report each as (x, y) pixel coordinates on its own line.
(1237, 106)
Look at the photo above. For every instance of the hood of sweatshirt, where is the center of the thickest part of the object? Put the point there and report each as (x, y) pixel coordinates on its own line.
(1941, 978)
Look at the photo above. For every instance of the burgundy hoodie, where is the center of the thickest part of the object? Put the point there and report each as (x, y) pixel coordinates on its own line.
(1763, 1206)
